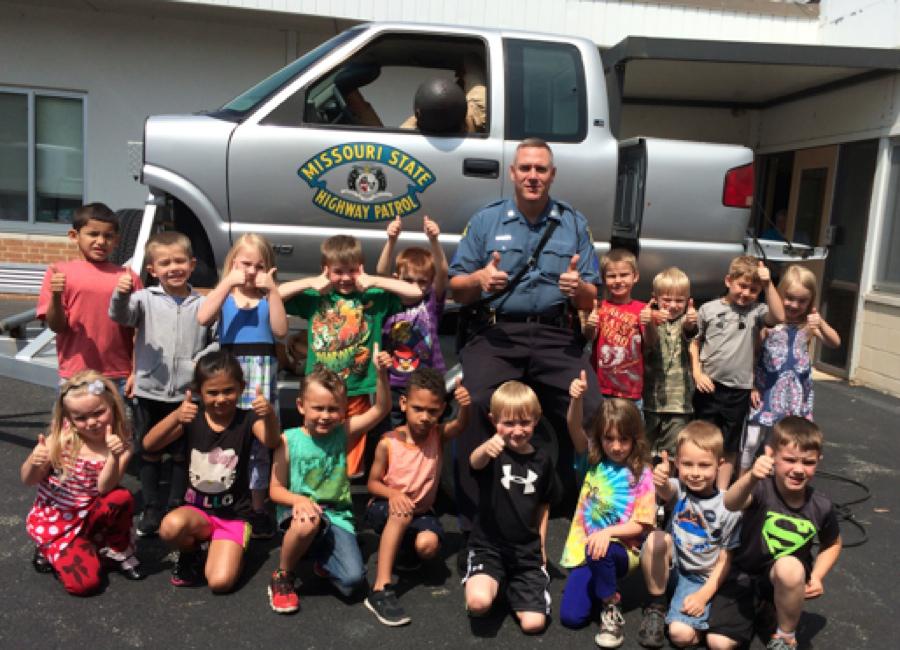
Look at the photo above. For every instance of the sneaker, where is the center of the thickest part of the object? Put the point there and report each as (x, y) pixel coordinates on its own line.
(262, 525)
(781, 643)
(611, 624)
(149, 524)
(652, 633)
(283, 597)
(386, 608)
(40, 562)
(186, 571)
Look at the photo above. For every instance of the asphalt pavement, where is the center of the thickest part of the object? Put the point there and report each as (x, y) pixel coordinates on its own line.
(858, 608)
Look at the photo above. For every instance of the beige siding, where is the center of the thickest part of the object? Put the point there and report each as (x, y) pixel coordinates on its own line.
(879, 358)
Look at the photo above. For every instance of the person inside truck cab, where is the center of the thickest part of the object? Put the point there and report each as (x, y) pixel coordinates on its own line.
(348, 81)
(524, 326)
(469, 77)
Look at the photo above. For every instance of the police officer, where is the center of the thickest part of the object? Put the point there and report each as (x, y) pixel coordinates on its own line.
(531, 332)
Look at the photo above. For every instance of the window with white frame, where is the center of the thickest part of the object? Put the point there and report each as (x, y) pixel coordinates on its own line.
(888, 278)
(41, 155)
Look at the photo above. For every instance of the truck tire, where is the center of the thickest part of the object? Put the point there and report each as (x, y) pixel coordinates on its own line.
(205, 274)
(129, 228)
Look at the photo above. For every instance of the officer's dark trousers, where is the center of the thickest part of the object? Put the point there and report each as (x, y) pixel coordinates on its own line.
(544, 357)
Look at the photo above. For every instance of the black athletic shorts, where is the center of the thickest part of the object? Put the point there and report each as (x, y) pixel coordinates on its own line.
(727, 408)
(526, 582)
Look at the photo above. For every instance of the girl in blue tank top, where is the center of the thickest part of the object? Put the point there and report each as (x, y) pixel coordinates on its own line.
(251, 317)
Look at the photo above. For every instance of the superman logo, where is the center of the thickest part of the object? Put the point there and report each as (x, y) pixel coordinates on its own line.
(785, 535)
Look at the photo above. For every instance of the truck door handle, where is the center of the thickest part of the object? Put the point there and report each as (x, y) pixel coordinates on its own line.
(481, 167)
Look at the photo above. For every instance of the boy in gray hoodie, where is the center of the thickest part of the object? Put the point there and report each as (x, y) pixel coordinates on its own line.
(168, 339)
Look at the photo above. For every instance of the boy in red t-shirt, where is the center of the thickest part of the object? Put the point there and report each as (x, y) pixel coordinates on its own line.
(74, 300)
(616, 327)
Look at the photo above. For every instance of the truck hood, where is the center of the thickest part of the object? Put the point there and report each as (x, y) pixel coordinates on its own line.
(195, 148)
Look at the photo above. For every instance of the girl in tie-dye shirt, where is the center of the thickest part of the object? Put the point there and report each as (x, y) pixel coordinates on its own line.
(616, 509)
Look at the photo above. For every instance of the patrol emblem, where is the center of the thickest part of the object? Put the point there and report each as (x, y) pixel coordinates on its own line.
(366, 183)
(363, 193)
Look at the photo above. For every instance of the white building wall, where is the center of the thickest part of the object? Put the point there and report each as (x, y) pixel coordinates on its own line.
(865, 23)
(131, 66)
(605, 22)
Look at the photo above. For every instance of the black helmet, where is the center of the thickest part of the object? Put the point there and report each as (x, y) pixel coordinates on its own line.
(440, 107)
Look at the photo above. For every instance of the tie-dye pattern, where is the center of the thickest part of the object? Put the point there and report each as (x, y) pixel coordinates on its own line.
(609, 496)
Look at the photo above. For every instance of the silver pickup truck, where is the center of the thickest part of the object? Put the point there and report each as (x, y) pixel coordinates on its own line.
(324, 146)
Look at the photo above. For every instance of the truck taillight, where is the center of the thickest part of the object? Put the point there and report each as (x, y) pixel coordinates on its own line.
(738, 191)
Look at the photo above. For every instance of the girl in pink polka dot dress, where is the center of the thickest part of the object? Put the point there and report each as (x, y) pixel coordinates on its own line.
(81, 515)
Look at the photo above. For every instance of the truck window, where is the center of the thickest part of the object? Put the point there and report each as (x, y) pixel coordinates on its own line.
(545, 92)
(376, 87)
(250, 99)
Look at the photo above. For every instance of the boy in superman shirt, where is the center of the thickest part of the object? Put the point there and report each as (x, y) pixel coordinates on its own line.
(783, 514)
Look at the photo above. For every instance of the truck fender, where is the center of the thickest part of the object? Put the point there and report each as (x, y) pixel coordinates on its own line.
(214, 225)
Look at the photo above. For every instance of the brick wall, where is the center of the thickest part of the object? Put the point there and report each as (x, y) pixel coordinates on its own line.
(36, 249)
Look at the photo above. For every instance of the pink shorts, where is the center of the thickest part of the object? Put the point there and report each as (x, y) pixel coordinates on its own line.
(234, 530)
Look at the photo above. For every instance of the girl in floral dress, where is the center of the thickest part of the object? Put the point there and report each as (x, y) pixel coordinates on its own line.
(783, 377)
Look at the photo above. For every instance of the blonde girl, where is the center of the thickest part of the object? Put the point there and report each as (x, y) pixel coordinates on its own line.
(782, 381)
(615, 511)
(81, 514)
(251, 317)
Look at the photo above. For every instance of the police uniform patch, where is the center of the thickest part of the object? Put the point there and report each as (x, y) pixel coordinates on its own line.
(365, 193)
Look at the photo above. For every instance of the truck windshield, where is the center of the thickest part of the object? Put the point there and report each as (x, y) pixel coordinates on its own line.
(248, 100)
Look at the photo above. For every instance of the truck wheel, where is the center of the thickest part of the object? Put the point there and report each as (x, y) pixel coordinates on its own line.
(129, 228)
(205, 275)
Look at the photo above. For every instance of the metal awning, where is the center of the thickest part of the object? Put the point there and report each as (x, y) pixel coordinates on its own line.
(733, 74)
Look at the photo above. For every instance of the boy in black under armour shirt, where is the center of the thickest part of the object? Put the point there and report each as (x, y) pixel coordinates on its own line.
(782, 516)
(515, 489)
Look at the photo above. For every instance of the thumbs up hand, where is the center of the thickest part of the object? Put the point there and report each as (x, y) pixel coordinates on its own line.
(593, 320)
(570, 278)
(114, 443)
(764, 465)
(260, 405)
(494, 445)
(579, 385)
(188, 410)
(492, 278)
(814, 322)
(266, 281)
(461, 394)
(381, 358)
(662, 471)
(431, 228)
(394, 229)
(646, 315)
(763, 273)
(125, 285)
(57, 280)
(690, 316)
(40, 455)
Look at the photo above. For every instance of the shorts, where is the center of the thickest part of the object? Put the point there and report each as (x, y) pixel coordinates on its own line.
(685, 585)
(733, 609)
(377, 517)
(727, 408)
(662, 430)
(234, 530)
(527, 583)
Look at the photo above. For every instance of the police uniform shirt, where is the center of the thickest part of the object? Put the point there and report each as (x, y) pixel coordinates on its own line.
(500, 227)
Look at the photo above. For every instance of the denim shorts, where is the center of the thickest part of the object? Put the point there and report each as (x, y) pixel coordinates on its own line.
(685, 585)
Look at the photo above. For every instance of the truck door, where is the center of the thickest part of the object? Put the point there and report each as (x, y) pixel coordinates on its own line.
(555, 91)
(336, 150)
